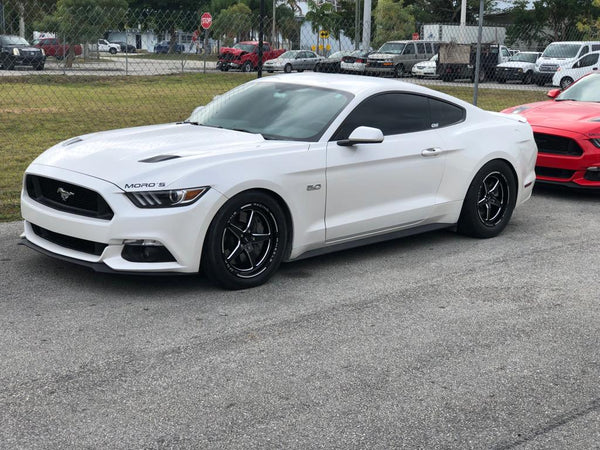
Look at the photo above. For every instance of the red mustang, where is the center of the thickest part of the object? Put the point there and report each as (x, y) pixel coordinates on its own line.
(567, 133)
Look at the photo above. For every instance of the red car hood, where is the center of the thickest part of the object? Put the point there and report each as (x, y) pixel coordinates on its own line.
(233, 51)
(580, 117)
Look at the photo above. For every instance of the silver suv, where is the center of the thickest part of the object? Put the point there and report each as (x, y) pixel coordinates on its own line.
(397, 57)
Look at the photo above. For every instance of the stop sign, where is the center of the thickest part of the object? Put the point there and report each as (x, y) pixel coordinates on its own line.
(206, 20)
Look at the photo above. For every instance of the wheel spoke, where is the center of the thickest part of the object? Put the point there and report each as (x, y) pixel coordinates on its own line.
(496, 202)
(250, 259)
(235, 230)
(237, 251)
(249, 224)
(495, 186)
(258, 237)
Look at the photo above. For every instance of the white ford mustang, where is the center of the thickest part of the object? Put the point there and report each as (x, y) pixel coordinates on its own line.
(280, 168)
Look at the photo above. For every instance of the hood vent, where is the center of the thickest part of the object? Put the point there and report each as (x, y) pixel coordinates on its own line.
(159, 158)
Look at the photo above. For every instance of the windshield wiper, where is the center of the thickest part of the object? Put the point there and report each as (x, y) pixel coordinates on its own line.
(565, 100)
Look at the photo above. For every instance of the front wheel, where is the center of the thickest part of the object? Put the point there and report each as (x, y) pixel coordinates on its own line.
(246, 241)
(566, 82)
(489, 202)
(112, 51)
(399, 71)
(287, 68)
(528, 78)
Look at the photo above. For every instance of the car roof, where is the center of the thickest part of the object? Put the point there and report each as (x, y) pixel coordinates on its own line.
(359, 86)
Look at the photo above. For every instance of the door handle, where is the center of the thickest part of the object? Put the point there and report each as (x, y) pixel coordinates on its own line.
(433, 151)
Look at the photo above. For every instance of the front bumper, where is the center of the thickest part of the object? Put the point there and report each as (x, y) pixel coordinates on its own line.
(568, 170)
(180, 230)
(509, 74)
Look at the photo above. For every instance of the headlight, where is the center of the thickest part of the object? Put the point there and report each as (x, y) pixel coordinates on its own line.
(43, 52)
(16, 52)
(166, 199)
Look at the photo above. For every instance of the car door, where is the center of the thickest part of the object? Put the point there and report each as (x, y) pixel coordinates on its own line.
(585, 65)
(379, 187)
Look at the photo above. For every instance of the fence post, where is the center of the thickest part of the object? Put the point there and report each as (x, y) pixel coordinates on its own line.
(478, 56)
(261, 24)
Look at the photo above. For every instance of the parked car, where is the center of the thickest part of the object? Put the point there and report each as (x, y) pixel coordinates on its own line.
(560, 53)
(567, 133)
(566, 74)
(125, 47)
(244, 56)
(164, 46)
(397, 58)
(331, 64)
(16, 51)
(355, 62)
(519, 67)
(110, 47)
(54, 47)
(426, 68)
(299, 60)
(318, 169)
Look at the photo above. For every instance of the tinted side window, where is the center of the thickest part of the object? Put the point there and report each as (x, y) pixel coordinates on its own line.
(595, 47)
(584, 50)
(409, 49)
(392, 113)
(421, 48)
(444, 114)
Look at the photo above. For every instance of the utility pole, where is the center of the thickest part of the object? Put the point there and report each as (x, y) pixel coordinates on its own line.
(366, 40)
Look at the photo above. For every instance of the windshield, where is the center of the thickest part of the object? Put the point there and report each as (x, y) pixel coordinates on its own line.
(525, 57)
(561, 51)
(280, 111)
(245, 47)
(587, 89)
(13, 40)
(392, 47)
(289, 54)
(337, 55)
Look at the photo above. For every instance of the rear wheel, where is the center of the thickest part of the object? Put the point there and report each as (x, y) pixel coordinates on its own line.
(246, 241)
(247, 67)
(399, 71)
(112, 51)
(566, 82)
(489, 202)
(528, 78)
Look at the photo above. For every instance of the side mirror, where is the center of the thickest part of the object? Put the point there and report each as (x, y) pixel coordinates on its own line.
(363, 135)
(553, 93)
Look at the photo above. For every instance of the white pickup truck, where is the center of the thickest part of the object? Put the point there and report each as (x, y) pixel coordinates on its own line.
(105, 46)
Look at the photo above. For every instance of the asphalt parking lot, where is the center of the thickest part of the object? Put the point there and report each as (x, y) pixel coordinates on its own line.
(435, 341)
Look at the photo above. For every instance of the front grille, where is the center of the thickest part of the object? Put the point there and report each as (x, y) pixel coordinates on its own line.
(227, 56)
(80, 245)
(557, 145)
(548, 67)
(67, 197)
(376, 64)
(553, 172)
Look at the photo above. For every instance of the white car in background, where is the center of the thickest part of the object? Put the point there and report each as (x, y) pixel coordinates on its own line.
(105, 46)
(278, 169)
(566, 74)
(519, 67)
(355, 62)
(426, 68)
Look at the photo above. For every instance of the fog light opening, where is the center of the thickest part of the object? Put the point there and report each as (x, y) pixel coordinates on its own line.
(145, 251)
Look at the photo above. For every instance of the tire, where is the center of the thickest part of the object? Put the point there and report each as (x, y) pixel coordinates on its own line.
(39, 67)
(399, 71)
(9, 64)
(287, 68)
(528, 78)
(246, 241)
(112, 51)
(247, 67)
(317, 68)
(489, 202)
(501, 80)
(566, 82)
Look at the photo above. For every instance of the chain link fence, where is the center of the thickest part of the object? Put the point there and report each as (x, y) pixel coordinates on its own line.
(116, 67)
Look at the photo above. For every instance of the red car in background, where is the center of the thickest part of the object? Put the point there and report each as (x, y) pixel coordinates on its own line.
(567, 133)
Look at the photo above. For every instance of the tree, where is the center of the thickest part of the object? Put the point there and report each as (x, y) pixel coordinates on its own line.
(232, 23)
(548, 20)
(590, 26)
(446, 11)
(80, 21)
(321, 17)
(393, 21)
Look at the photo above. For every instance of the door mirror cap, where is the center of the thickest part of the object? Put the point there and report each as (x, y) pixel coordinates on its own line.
(363, 135)
(553, 93)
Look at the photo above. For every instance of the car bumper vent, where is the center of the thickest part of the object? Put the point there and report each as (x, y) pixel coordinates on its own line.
(557, 145)
(80, 245)
(552, 172)
(67, 197)
(592, 175)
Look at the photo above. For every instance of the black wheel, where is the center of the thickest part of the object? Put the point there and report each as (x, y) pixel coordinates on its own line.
(246, 241)
(112, 51)
(39, 66)
(566, 82)
(540, 82)
(527, 79)
(399, 71)
(317, 68)
(9, 64)
(287, 68)
(501, 80)
(489, 202)
(247, 67)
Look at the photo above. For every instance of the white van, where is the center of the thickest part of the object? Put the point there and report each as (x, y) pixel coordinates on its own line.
(559, 54)
(567, 73)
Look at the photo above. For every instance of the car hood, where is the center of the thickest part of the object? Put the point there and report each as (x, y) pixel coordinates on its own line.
(382, 55)
(173, 149)
(517, 64)
(232, 51)
(581, 117)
